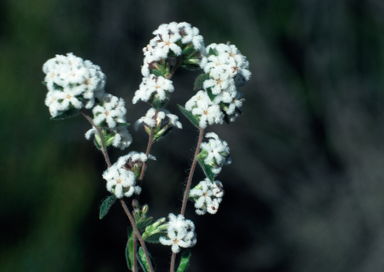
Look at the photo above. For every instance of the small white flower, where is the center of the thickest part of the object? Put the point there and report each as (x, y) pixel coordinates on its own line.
(207, 196)
(219, 80)
(180, 233)
(153, 85)
(123, 138)
(208, 114)
(112, 111)
(217, 149)
(120, 181)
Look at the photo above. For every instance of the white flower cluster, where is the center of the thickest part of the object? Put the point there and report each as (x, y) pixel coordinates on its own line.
(111, 111)
(201, 106)
(170, 40)
(207, 196)
(180, 232)
(153, 87)
(72, 83)
(227, 69)
(121, 181)
(110, 117)
(215, 152)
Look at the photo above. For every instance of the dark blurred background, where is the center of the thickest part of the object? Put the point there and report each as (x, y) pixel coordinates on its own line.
(305, 191)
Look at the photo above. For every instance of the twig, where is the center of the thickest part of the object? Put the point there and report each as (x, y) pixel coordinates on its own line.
(137, 233)
(186, 193)
(104, 149)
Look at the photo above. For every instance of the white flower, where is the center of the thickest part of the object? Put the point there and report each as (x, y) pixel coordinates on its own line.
(133, 157)
(122, 138)
(153, 85)
(121, 182)
(207, 196)
(208, 114)
(67, 99)
(112, 111)
(217, 150)
(148, 119)
(219, 80)
(180, 232)
(200, 98)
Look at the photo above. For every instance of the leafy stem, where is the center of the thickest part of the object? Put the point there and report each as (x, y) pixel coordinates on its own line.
(132, 221)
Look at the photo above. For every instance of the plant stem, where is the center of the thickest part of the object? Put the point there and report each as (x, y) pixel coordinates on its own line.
(191, 171)
(137, 233)
(173, 258)
(186, 193)
(104, 149)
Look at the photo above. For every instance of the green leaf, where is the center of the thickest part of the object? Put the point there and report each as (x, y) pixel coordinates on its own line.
(184, 261)
(106, 205)
(212, 52)
(191, 67)
(189, 115)
(129, 249)
(210, 94)
(207, 169)
(142, 224)
(66, 114)
(200, 81)
(143, 261)
(154, 238)
(157, 72)
(122, 124)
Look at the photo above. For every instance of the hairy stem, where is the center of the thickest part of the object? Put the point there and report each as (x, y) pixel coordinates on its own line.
(173, 258)
(137, 233)
(191, 171)
(186, 193)
(103, 147)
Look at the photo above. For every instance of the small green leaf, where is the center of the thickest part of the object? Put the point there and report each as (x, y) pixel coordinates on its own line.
(44, 83)
(143, 223)
(212, 52)
(129, 249)
(189, 115)
(66, 114)
(154, 238)
(210, 94)
(184, 261)
(157, 72)
(143, 261)
(106, 205)
(200, 81)
(191, 67)
(122, 124)
(207, 169)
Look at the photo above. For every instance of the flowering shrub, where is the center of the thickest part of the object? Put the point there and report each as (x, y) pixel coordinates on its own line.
(75, 86)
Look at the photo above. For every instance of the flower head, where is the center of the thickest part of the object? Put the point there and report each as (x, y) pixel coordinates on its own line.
(180, 233)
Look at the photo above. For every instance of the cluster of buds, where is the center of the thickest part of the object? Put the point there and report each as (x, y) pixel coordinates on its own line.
(207, 196)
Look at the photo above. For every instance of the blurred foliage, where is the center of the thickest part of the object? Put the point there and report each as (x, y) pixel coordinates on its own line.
(304, 192)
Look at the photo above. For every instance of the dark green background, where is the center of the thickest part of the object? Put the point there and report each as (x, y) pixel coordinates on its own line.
(305, 189)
